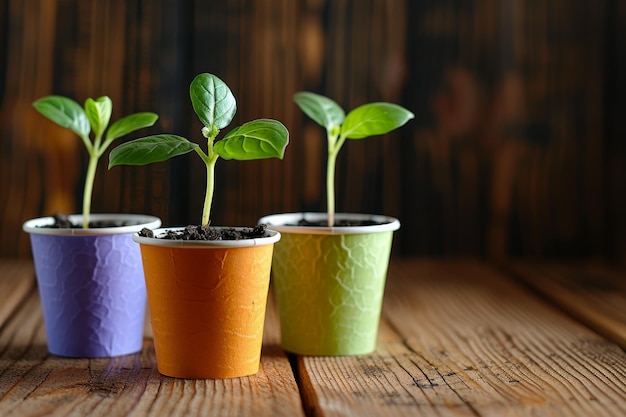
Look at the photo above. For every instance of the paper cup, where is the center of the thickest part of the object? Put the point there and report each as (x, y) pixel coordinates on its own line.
(329, 282)
(91, 285)
(207, 304)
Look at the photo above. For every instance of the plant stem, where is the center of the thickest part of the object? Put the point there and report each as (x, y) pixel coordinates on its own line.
(89, 180)
(330, 188)
(209, 158)
(208, 197)
(335, 142)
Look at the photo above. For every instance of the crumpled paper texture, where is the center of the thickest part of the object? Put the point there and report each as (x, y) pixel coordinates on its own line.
(92, 292)
(207, 307)
(329, 291)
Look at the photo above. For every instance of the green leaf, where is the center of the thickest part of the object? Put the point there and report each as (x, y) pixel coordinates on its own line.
(150, 149)
(374, 119)
(324, 111)
(65, 112)
(99, 113)
(130, 123)
(212, 101)
(258, 139)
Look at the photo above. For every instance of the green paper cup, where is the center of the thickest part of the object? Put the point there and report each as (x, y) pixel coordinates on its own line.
(329, 282)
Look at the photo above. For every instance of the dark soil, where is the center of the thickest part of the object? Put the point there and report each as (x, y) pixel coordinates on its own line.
(338, 223)
(61, 221)
(210, 233)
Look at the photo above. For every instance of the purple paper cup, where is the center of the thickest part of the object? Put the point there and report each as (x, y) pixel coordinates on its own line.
(91, 285)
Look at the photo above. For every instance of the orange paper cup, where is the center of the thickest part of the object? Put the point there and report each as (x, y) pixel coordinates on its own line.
(207, 303)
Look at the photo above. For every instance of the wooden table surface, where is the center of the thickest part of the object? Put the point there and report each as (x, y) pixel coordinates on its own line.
(457, 338)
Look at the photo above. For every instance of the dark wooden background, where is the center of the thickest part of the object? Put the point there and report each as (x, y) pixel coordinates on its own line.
(517, 149)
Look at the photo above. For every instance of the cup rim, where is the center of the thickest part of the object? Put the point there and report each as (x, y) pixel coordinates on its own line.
(281, 222)
(242, 243)
(34, 226)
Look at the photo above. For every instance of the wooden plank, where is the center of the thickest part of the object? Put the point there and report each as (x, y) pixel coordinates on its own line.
(593, 293)
(22, 352)
(34, 383)
(459, 339)
(518, 114)
(17, 280)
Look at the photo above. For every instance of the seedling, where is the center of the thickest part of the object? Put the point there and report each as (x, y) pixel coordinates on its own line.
(94, 117)
(364, 121)
(215, 106)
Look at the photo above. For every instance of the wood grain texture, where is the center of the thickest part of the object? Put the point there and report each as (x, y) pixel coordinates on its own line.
(34, 383)
(516, 148)
(17, 281)
(593, 293)
(459, 339)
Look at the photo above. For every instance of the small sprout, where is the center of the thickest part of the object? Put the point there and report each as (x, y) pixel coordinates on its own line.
(215, 106)
(364, 121)
(94, 118)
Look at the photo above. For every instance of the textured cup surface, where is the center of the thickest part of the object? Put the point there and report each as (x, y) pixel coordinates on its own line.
(91, 288)
(207, 304)
(329, 284)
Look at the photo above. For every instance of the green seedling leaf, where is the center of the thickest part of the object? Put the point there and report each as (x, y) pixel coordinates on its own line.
(324, 111)
(95, 116)
(364, 121)
(129, 124)
(157, 148)
(212, 101)
(99, 113)
(215, 106)
(374, 119)
(258, 139)
(65, 112)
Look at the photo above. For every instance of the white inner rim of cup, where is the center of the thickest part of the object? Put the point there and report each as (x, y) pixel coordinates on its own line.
(242, 243)
(139, 221)
(287, 223)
